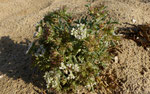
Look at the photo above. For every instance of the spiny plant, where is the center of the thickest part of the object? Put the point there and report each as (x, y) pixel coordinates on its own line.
(73, 51)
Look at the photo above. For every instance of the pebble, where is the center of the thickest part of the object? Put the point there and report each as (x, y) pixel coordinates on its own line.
(1, 76)
(116, 59)
(133, 20)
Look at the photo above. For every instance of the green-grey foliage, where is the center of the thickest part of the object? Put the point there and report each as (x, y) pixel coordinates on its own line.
(72, 52)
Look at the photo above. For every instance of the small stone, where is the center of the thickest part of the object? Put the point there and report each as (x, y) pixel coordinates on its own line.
(133, 20)
(1, 76)
(116, 59)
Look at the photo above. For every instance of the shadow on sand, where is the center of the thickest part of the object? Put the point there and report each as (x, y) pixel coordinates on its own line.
(145, 1)
(138, 33)
(16, 64)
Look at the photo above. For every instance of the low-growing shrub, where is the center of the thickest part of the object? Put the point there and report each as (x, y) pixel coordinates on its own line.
(73, 51)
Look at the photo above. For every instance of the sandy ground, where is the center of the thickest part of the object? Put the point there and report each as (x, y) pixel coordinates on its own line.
(17, 25)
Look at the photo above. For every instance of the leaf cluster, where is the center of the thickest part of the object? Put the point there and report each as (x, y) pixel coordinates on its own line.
(73, 52)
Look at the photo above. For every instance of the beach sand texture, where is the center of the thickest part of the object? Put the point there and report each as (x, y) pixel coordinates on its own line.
(17, 25)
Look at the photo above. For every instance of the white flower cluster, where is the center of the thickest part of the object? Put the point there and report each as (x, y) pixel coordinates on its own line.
(71, 75)
(80, 32)
(90, 85)
(76, 67)
(68, 69)
(62, 67)
(52, 80)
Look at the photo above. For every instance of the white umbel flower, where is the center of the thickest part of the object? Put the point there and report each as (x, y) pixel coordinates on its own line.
(66, 71)
(69, 65)
(71, 76)
(49, 80)
(62, 67)
(54, 84)
(76, 67)
(80, 32)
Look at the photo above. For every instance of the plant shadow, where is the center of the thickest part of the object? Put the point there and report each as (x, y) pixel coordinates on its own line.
(16, 64)
(145, 1)
(138, 33)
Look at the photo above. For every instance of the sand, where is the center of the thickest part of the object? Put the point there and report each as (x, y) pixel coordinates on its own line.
(17, 25)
